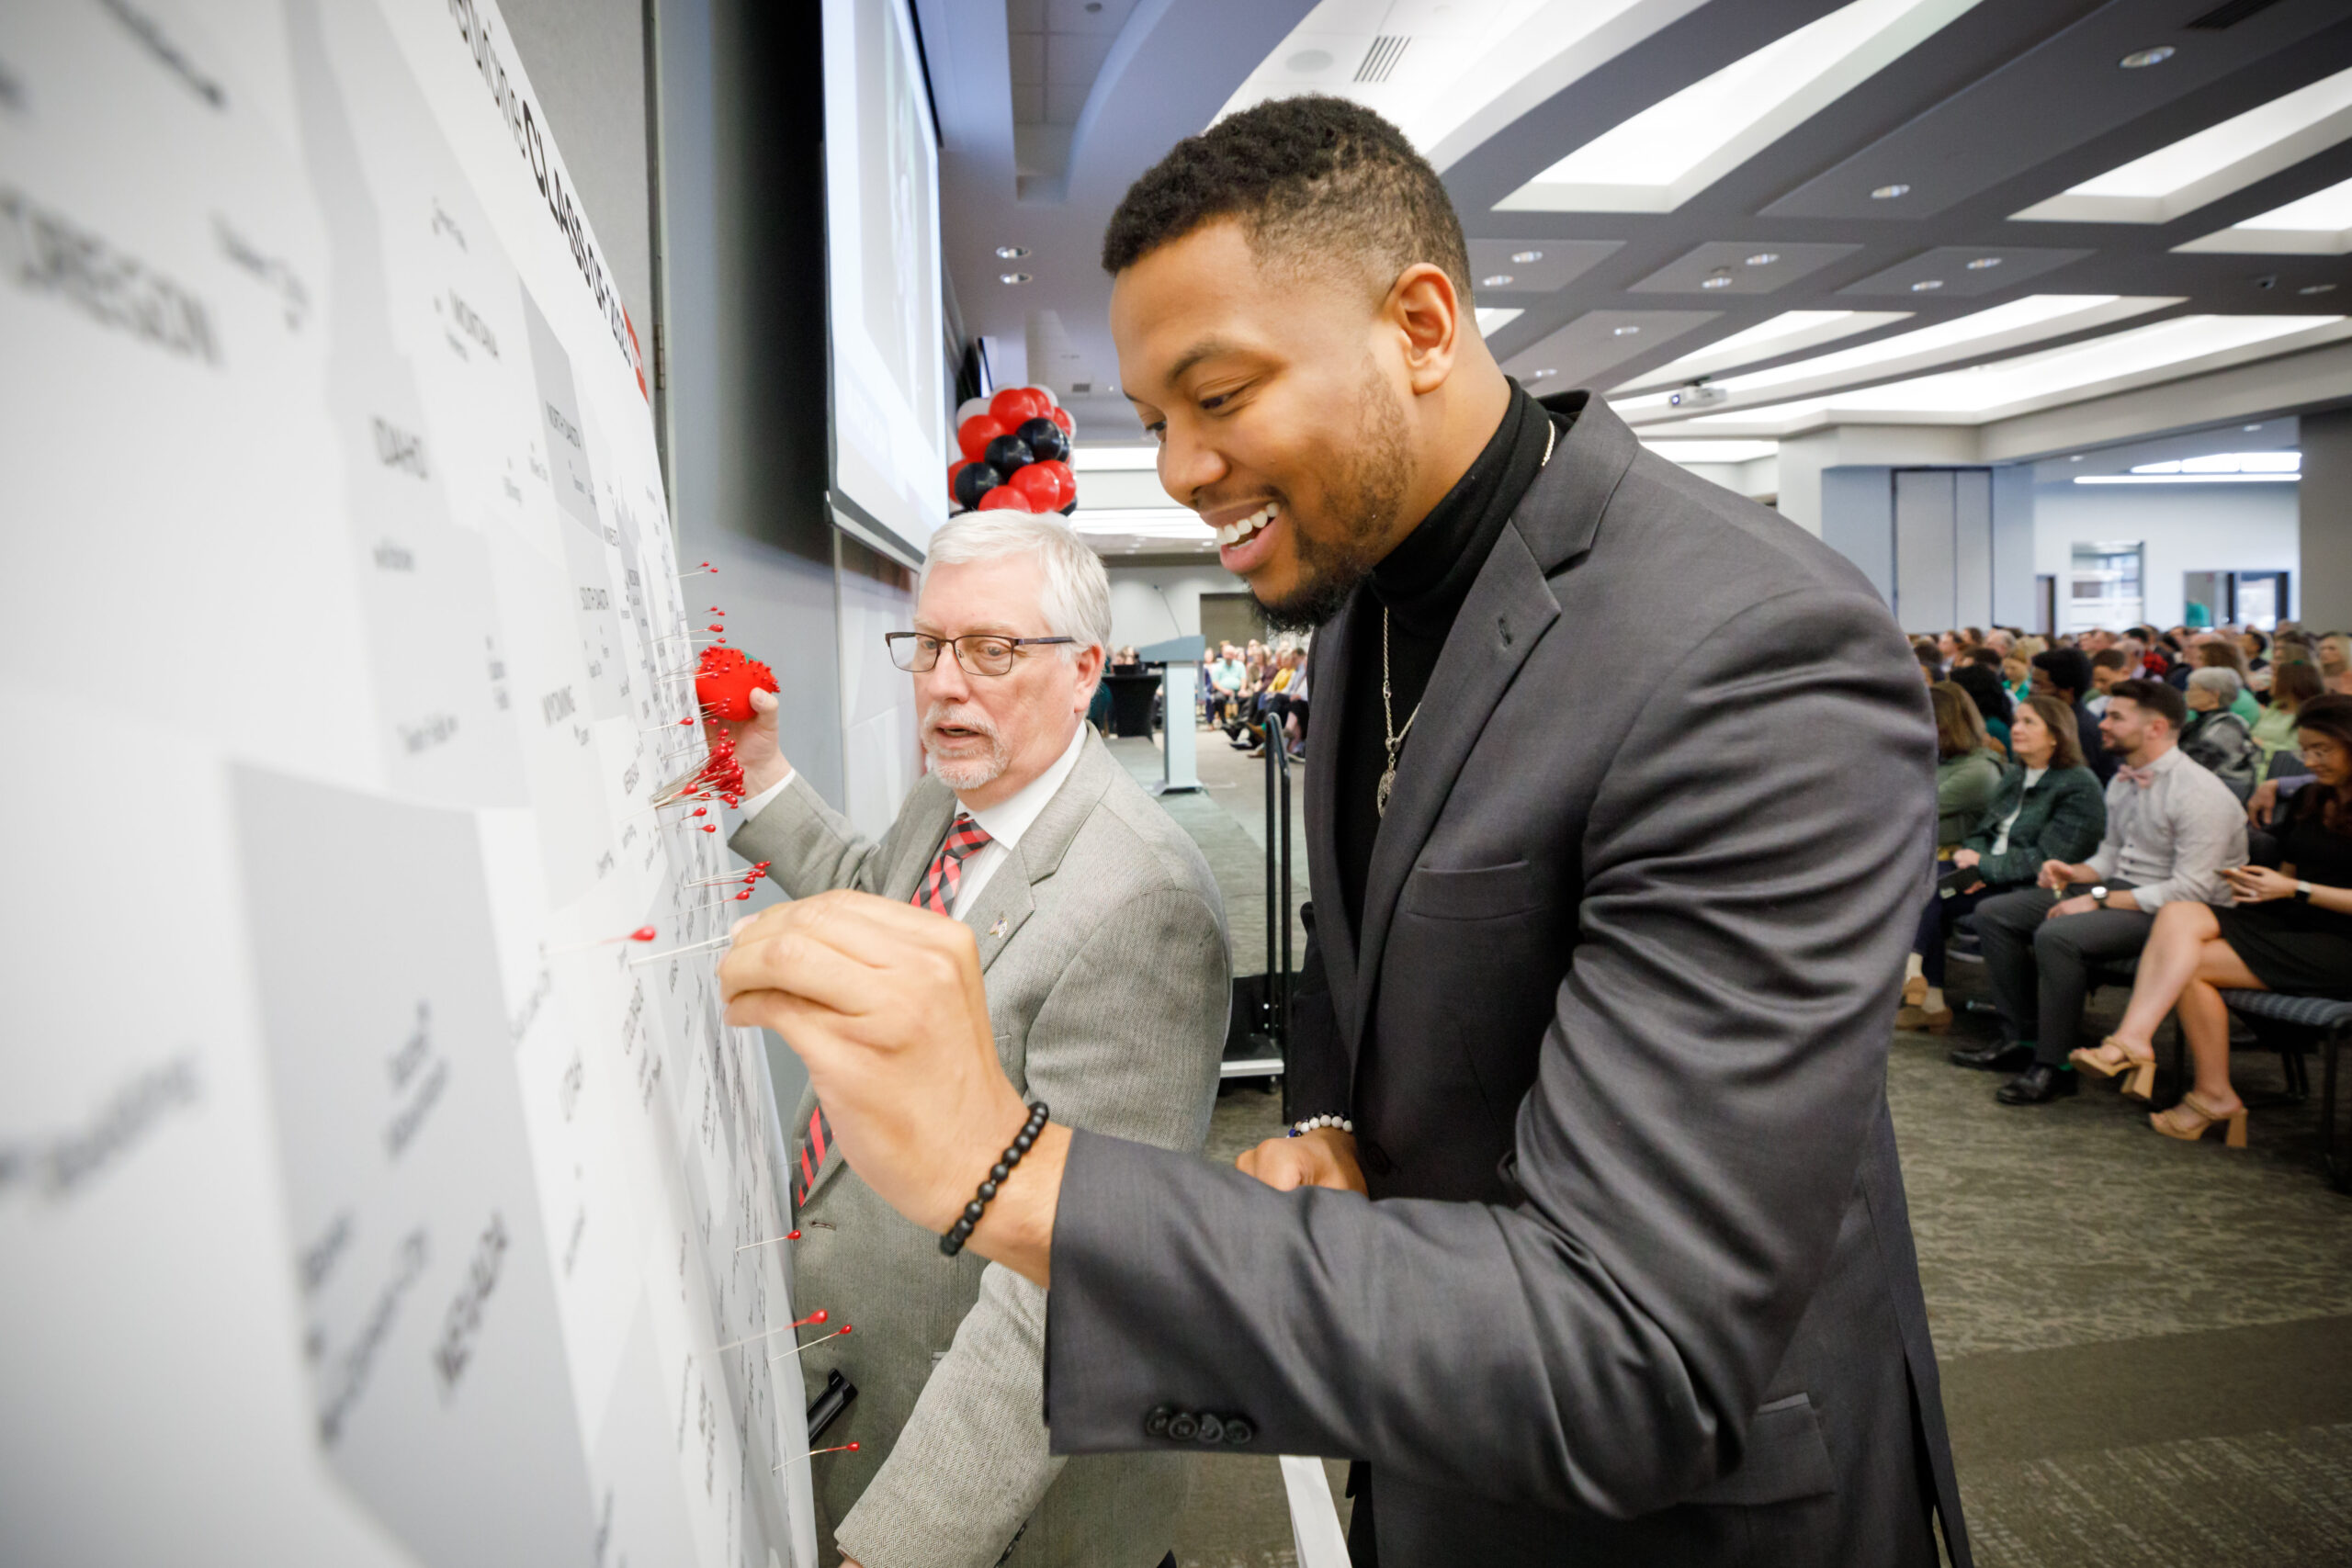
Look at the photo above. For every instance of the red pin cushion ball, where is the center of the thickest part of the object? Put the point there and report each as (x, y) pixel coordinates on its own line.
(724, 680)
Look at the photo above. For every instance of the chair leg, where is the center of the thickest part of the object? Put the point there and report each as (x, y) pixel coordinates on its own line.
(2339, 1172)
(2177, 1085)
(2297, 1073)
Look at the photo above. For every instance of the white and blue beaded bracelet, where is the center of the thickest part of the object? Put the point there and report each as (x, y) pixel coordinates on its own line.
(1312, 1122)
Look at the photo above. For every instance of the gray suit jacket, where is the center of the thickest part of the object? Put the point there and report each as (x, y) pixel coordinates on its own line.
(1636, 1284)
(1103, 944)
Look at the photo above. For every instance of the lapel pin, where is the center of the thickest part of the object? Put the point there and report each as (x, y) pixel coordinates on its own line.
(997, 929)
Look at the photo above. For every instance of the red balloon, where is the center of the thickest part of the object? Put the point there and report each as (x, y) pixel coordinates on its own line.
(1065, 482)
(1005, 497)
(1016, 405)
(1039, 489)
(976, 432)
(1060, 416)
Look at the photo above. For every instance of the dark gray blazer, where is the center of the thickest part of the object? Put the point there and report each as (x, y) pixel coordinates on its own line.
(1638, 1283)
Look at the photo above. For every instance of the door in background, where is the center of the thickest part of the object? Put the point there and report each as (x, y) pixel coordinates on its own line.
(1231, 617)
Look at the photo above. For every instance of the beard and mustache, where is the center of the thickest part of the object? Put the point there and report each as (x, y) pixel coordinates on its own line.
(965, 773)
(1365, 496)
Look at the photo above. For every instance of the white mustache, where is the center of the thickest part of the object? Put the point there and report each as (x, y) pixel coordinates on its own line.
(975, 721)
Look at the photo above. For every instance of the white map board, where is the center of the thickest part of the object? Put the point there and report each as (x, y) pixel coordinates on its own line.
(357, 1206)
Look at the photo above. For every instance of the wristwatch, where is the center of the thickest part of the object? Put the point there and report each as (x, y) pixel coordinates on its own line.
(2302, 892)
(2098, 894)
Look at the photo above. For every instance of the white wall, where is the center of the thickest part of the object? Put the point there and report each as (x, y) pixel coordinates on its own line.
(2184, 528)
(1152, 604)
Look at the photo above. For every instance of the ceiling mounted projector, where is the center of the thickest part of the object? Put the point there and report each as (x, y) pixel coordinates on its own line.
(1697, 395)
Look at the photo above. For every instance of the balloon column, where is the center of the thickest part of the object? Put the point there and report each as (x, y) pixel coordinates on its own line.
(1016, 454)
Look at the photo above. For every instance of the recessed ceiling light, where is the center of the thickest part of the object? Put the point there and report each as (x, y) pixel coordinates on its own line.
(1982, 263)
(1498, 280)
(1927, 285)
(2252, 428)
(1764, 258)
(1888, 193)
(1525, 257)
(2316, 289)
(1542, 375)
(2139, 58)
(1011, 252)
(1307, 61)
(1721, 278)
(2075, 459)
(1013, 277)
(1622, 331)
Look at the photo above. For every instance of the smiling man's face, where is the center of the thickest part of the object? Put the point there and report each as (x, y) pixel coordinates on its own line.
(1281, 404)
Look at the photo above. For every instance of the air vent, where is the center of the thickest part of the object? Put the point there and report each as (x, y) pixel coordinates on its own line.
(1382, 57)
(2229, 14)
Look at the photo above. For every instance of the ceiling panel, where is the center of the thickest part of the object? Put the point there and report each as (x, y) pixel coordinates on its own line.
(2055, 95)
(1583, 352)
(1535, 267)
(1962, 272)
(1734, 267)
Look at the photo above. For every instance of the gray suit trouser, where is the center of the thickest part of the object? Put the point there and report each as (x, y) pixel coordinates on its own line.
(2040, 968)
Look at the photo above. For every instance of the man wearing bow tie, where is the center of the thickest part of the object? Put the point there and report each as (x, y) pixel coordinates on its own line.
(2171, 827)
(1102, 945)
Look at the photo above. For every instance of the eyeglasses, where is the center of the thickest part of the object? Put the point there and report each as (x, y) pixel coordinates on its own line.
(979, 653)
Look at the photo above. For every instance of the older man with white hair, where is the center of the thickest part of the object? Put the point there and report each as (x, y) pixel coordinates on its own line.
(1103, 953)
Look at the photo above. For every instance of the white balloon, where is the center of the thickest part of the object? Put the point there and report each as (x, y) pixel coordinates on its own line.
(970, 407)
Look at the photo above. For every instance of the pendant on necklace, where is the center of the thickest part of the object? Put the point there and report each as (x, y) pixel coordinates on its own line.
(1387, 783)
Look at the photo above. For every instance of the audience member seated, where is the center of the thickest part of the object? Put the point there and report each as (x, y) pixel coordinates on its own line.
(2048, 807)
(2108, 665)
(1226, 678)
(1967, 773)
(1127, 661)
(2017, 676)
(2254, 643)
(2216, 738)
(2066, 673)
(1983, 685)
(1931, 662)
(2290, 929)
(2171, 827)
(2335, 659)
(2291, 685)
(2214, 651)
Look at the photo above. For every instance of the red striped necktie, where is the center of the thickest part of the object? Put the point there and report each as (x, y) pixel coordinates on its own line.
(936, 893)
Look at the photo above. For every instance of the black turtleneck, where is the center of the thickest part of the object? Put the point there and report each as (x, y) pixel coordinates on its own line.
(1422, 584)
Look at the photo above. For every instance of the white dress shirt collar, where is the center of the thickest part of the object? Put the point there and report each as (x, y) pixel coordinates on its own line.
(1010, 817)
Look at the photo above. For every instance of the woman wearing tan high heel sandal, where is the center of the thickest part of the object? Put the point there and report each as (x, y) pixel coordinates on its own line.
(2290, 930)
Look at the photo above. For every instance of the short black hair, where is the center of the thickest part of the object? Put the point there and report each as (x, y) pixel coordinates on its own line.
(2068, 667)
(2155, 697)
(1307, 177)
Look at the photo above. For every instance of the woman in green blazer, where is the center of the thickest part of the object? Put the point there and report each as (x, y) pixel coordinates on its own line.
(2047, 805)
(1967, 773)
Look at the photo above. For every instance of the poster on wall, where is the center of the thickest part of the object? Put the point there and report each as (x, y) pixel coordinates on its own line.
(380, 1182)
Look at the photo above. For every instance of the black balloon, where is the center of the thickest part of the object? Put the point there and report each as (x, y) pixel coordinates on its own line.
(1071, 508)
(1045, 440)
(1007, 454)
(974, 481)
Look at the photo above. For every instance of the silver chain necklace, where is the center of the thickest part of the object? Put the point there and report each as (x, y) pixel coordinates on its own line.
(1396, 737)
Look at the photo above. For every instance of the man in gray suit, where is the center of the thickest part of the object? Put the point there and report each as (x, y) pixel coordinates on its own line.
(1100, 940)
(1620, 794)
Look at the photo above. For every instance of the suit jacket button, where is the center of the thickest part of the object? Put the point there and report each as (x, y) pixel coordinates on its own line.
(1181, 1425)
(1156, 1424)
(1237, 1431)
(1212, 1430)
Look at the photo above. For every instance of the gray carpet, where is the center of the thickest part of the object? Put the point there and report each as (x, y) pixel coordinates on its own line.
(2146, 1345)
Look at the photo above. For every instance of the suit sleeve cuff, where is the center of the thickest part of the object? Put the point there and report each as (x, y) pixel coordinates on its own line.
(760, 801)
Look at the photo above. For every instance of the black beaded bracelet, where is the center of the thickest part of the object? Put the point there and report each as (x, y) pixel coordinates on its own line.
(961, 1231)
